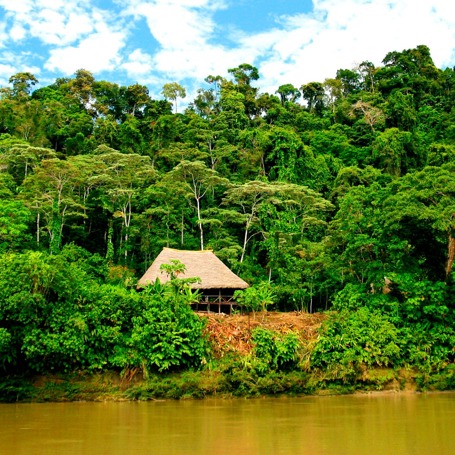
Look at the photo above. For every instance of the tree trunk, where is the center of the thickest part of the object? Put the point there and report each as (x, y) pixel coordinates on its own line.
(245, 241)
(110, 242)
(182, 230)
(450, 255)
(199, 221)
(37, 228)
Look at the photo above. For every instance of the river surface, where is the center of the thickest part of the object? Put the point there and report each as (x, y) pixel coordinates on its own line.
(396, 424)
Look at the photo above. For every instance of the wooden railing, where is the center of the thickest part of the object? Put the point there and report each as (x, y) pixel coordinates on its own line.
(216, 304)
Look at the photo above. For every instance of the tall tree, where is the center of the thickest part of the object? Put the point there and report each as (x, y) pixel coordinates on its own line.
(314, 94)
(421, 210)
(274, 209)
(22, 86)
(244, 75)
(172, 91)
(394, 151)
(136, 98)
(199, 180)
(249, 197)
(287, 93)
(50, 192)
(121, 178)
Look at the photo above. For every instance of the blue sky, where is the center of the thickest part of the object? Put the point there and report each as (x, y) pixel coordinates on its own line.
(158, 41)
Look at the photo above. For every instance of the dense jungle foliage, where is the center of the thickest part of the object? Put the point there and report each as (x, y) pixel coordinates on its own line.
(339, 193)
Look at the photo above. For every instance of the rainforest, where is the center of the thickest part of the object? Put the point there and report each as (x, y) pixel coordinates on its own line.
(334, 201)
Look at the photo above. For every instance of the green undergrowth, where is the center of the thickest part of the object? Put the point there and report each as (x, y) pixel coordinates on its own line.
(237, 383)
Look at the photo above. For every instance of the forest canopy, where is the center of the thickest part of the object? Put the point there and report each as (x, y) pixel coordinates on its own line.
(340, 193)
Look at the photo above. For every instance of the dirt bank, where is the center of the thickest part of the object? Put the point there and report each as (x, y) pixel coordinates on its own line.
(232, 333)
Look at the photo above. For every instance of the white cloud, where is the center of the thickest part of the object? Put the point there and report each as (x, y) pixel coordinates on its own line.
(53, 22)
(139, 64)
(75, 34)
(17, 32)
(177, 25)
(3, 34)
(99, 52)
(12, 63)
(6, 71)
(299, 49)
(57, 4)
(184, 30)
(59, 27)
(14, 6)
(189, 44)
(311, 47)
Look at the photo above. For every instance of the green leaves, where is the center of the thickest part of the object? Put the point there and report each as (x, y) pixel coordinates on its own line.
(274, 351)
(6, 350)
(394, 152)
(167, 334)
(66, 320)
(198, 180)
(256, 298)
(353, 338)
(424, 203)
(249, 174)
(14, 219)
(172, 91)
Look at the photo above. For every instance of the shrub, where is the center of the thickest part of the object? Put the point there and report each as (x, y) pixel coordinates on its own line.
(351, 339)
(274, 351)
(167, 335)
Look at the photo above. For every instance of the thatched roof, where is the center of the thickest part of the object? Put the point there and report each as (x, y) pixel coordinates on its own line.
(213, 273)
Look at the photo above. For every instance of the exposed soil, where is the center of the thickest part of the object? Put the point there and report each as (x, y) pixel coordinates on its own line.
(233, 333)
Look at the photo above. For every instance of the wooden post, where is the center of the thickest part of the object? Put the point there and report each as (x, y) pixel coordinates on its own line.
(219, 301)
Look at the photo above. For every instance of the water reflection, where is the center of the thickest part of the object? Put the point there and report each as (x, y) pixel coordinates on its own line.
(353, 425)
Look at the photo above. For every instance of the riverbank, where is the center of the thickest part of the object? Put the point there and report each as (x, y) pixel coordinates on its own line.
(112, 386)
(230, 371)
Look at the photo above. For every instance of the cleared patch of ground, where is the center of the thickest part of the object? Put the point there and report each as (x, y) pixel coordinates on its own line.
(232, 333)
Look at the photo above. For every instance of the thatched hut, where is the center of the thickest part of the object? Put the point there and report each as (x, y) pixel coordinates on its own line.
(218, 283)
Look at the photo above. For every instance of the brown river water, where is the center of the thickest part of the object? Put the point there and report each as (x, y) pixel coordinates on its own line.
(376, 424)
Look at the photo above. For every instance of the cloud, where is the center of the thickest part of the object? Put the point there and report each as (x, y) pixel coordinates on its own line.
(61, 28)
(13, 62)
(50, 22)
(184, 31)
(3, 34)
(158, 41)
(177, 25)
(54, 22)
(98, 52)
(23, 6)
(69, 34)
(311, 47)
(6, 71)
(17, 32)
(300, 48)
(138, 65)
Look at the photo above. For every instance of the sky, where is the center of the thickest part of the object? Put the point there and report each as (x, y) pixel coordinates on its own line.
(154, 42)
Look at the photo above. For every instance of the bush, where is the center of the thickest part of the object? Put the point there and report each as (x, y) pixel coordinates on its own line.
(168, 335)
(351, 339)
(275, 352)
